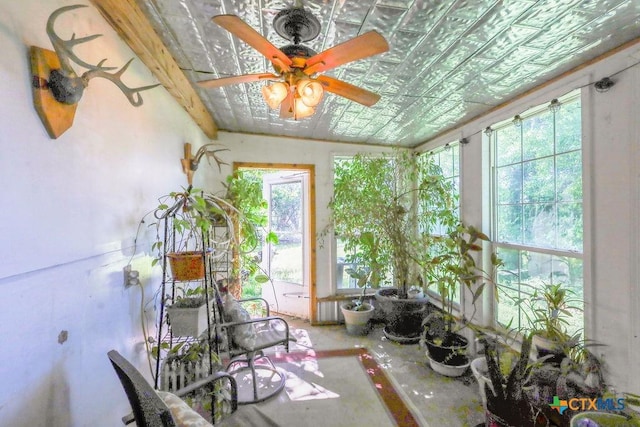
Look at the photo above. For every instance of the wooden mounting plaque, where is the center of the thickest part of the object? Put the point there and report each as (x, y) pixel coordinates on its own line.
(56, 117)
(186, 163)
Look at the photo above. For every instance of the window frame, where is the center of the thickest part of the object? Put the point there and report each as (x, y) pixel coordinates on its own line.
(524, 247)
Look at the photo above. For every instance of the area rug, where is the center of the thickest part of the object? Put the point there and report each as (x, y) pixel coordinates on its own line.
(337, 388)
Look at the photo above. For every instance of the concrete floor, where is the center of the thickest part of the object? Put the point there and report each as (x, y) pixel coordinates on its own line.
(435, 400)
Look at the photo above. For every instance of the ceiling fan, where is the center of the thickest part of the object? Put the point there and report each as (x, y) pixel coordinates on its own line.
(299, 85)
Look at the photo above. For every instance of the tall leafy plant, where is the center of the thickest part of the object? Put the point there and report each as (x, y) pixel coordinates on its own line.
(244, 192)
(457, 267)
(400, 199)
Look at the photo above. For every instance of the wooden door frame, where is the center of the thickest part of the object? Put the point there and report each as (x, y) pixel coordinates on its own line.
(311, 169)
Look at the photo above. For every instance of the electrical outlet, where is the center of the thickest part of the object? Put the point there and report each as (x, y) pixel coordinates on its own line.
(131, 277)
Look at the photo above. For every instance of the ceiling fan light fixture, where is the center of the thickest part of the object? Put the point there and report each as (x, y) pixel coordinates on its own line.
(298, 94)
(286, 109)
(310, 92)
(274, 94)
(301, 109)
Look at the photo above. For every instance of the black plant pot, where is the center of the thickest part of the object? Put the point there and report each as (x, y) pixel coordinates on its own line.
(551, 357)
(548, 350)
(518, 412)
(452, 351)
(402, 316)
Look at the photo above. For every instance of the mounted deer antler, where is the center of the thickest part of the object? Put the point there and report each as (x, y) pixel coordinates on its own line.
(191, 161)
(57, 87)
(64, 83)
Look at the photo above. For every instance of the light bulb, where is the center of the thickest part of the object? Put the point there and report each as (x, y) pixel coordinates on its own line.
(274, 94)
(310, 92)
(301, 109)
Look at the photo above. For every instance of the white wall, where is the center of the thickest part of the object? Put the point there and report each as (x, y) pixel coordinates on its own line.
(611, 141)
(70, 211)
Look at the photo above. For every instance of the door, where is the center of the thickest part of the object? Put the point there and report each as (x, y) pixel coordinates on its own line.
(287, 261)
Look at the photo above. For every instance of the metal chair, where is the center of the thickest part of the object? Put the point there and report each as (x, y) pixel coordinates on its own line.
(158, 409)
(246, 339)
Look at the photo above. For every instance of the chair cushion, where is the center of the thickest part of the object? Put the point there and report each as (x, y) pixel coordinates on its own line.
(182, 413)
(243, 335)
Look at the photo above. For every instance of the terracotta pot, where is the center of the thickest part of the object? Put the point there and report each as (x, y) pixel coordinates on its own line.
(187, 265)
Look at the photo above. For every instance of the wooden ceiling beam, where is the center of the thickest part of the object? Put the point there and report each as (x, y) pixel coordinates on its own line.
(126, 17)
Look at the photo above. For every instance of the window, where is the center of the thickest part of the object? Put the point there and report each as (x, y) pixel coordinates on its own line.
(537, 206)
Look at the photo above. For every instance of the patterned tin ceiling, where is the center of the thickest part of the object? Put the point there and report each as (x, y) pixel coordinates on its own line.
(449, 60)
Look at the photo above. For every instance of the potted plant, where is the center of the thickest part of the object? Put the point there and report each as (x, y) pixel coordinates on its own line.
(507, 359)
(507, 404)
(527, 386)
(578, 375)
(358, 313)
(188, 313)
(549, 311)
(604, 419)
(187, 362)
(456, 270)
(400, 199)
(194, 214)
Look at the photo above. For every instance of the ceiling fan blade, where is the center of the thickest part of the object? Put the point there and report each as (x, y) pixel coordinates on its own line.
(247, 34)
(348, 90)
(246, 78)
(368, 44)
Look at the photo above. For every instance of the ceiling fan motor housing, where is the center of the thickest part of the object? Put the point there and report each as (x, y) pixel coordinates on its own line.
(298, 50)
(296, 24)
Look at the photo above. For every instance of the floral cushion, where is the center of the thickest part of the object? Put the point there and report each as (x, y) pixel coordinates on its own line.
(243, 335)
(182, 413)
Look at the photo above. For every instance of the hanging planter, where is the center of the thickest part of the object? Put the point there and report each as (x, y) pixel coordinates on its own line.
(187, 266)
(188, 317)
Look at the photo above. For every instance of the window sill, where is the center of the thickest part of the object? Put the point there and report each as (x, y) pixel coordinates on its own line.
(344, 297)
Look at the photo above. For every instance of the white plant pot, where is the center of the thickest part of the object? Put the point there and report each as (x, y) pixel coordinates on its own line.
(357, 322)
(481, 373)
(447, 370)
(187, 322)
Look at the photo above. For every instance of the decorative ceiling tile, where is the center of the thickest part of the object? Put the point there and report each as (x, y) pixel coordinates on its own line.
(471, 10)
(449, 60)
(424, 15)
(546, 12)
